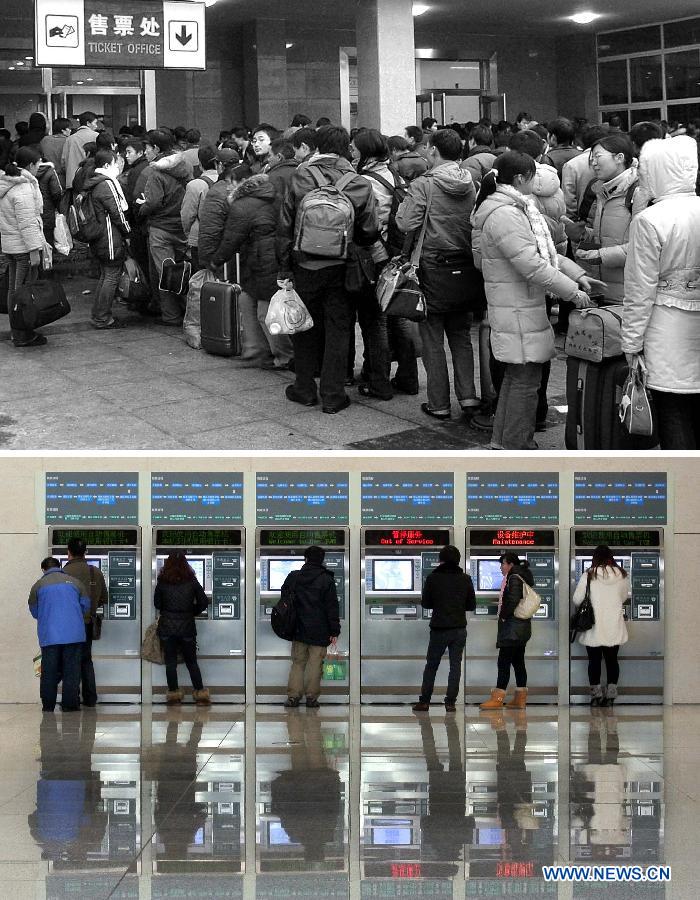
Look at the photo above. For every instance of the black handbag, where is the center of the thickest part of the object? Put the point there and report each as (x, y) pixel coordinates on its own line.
(39, 303)
(175, 276)
(583, 618)
(451, 282)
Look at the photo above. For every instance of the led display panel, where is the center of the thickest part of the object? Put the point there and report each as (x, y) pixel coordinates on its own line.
(92, 498)
(302, 498)
(406, 497)
(196, 498)
(620, 498)
(507, 498)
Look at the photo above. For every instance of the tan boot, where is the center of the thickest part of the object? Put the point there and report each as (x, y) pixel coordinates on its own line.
(496, 699)
(174, 697)
(519, 700)
(201, 698)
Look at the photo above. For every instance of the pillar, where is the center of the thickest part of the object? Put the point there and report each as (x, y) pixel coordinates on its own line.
(265, 73)
(386, 65)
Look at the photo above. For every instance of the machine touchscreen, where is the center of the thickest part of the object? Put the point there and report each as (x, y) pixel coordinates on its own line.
(278, 569)
(197, 566)
(392, 576)
(489, 575)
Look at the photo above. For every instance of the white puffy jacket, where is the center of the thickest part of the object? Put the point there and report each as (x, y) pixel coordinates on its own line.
(661, 315)
(609, 591)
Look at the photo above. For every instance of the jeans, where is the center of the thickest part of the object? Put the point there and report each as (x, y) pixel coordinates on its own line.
(323, 292)
(377, 363)
(679, 420)
(21, 272)
(105, 293)
(514, 425)
(457, 327)
(188, 648)
(306, 671)
(452, 640)
(507, 657)
(280, 344)
(87, 670)
(498, 371)
(60, 662)
(595, 659)
(402, 348)
(165, 245)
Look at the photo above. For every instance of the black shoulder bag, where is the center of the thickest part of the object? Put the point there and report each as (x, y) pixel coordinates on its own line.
(583, 618)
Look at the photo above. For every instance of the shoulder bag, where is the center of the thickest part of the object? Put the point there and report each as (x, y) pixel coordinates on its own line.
(530, 603)
(636, 413)
(583, 618)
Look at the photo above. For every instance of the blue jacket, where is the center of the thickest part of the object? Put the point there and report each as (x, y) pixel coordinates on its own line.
(58, 602)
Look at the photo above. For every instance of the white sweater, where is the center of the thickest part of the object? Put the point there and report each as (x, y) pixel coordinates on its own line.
(608, 593)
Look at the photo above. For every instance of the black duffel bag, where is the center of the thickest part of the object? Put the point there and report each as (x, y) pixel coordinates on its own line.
(452, 283)
(37, 304)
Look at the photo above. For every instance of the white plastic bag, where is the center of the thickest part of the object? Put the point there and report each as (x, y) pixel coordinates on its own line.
(287, 313)
(62, 239)
(191, 324)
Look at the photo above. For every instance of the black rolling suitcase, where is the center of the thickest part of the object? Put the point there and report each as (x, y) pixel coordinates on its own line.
(37, 304)
(221, 325)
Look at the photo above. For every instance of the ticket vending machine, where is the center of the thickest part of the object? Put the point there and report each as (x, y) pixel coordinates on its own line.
(278, 552)
(539, 546)
(117, 655)
(640, 552)
(217, 556)
(395, 563)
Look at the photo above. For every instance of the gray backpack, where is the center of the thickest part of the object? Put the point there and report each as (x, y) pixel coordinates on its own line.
(326, 218)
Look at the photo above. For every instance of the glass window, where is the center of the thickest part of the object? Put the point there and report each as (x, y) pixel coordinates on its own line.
(636, 40)
(683, 74)
(683, 112)
(645, 79)
(652, 114)
(682, 34)
(460, 74)
(622, 113)
(612, 77)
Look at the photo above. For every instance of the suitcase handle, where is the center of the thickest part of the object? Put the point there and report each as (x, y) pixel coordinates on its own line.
(579, 406)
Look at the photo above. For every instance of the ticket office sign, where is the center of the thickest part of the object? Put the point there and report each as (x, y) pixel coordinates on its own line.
(123, 34)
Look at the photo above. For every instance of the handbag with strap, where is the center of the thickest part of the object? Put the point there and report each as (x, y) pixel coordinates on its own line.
(636, 412)
(583, 618)
(398, 288)
(530, 602)
(175, 276)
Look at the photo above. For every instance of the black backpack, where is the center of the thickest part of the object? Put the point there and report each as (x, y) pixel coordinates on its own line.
(395, 238)
(284, 616)
(82, 218)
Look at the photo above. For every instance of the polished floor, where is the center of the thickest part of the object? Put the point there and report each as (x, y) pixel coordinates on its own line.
(149, 802)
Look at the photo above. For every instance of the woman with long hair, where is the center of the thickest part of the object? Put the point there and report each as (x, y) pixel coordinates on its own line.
(179, 597)
(609, 589)
(513, 633)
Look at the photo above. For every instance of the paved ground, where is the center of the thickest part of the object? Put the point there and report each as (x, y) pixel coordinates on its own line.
(142, 387)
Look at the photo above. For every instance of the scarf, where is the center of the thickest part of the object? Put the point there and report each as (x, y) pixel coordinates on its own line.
(120, 193)
(545, 244)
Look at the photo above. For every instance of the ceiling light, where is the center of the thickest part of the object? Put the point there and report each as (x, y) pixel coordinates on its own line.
(289, 45)
(29, 57)
(209, 2)
(89, 79)
(19, 63)
(80, 82)
(10, 68)
(419, 9)
(585, 18)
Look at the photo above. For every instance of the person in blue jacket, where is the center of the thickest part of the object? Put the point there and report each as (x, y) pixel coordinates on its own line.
(59, 604)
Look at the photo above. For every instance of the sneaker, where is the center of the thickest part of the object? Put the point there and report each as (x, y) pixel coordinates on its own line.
(291, 702)
(436, 414)
(37, 341)
(450, 707)
(312, 703)
(420, 707)
(332, 410)
(115, 323)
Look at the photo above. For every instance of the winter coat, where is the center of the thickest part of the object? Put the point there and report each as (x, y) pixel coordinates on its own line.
(516, 279)
(213, 214)
(609, 591)
(332, 169)
(576, 175)
(449, 592)
(557, 157)
(549, 197)
(83, 174)
(51, 148)
(250, 229)
(611, 216)
(92, 580)
(453, 195)
(21, 228)
(129, 179)
(513, 632)
(51, 193)
(661, 315)
(312, 590)
(410, 164)
(382, 195)
(73, 152)
(110, 246)
(59, 603)
(195, 192)
(478, 163)
(280, 176)
(178, 604)
(164, 191)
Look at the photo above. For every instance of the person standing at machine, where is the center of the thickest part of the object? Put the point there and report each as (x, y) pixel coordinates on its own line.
(609, 588)
(449, 592)
(58, 603)
(513, 633)
(179, 597)
(312, 592)
(93, 582)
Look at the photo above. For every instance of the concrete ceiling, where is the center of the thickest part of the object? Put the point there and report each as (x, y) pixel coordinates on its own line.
(476, 16)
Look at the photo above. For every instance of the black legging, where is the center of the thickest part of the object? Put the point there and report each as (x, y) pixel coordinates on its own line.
(188, 648)
(595, 658)
(507, 657)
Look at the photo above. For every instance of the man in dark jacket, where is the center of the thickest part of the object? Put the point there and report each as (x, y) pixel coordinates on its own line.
(110, 247)
(449, 592)
(250, 230)
(320, 280)
(93, 582)
(312, 592)
(281, 166)
(163, 193)
(59, 604)
(215, 205)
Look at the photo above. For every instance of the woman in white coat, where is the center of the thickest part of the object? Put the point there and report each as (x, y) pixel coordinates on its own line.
(609, 590)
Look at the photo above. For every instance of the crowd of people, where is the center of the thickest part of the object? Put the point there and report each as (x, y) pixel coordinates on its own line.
(517, 225)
